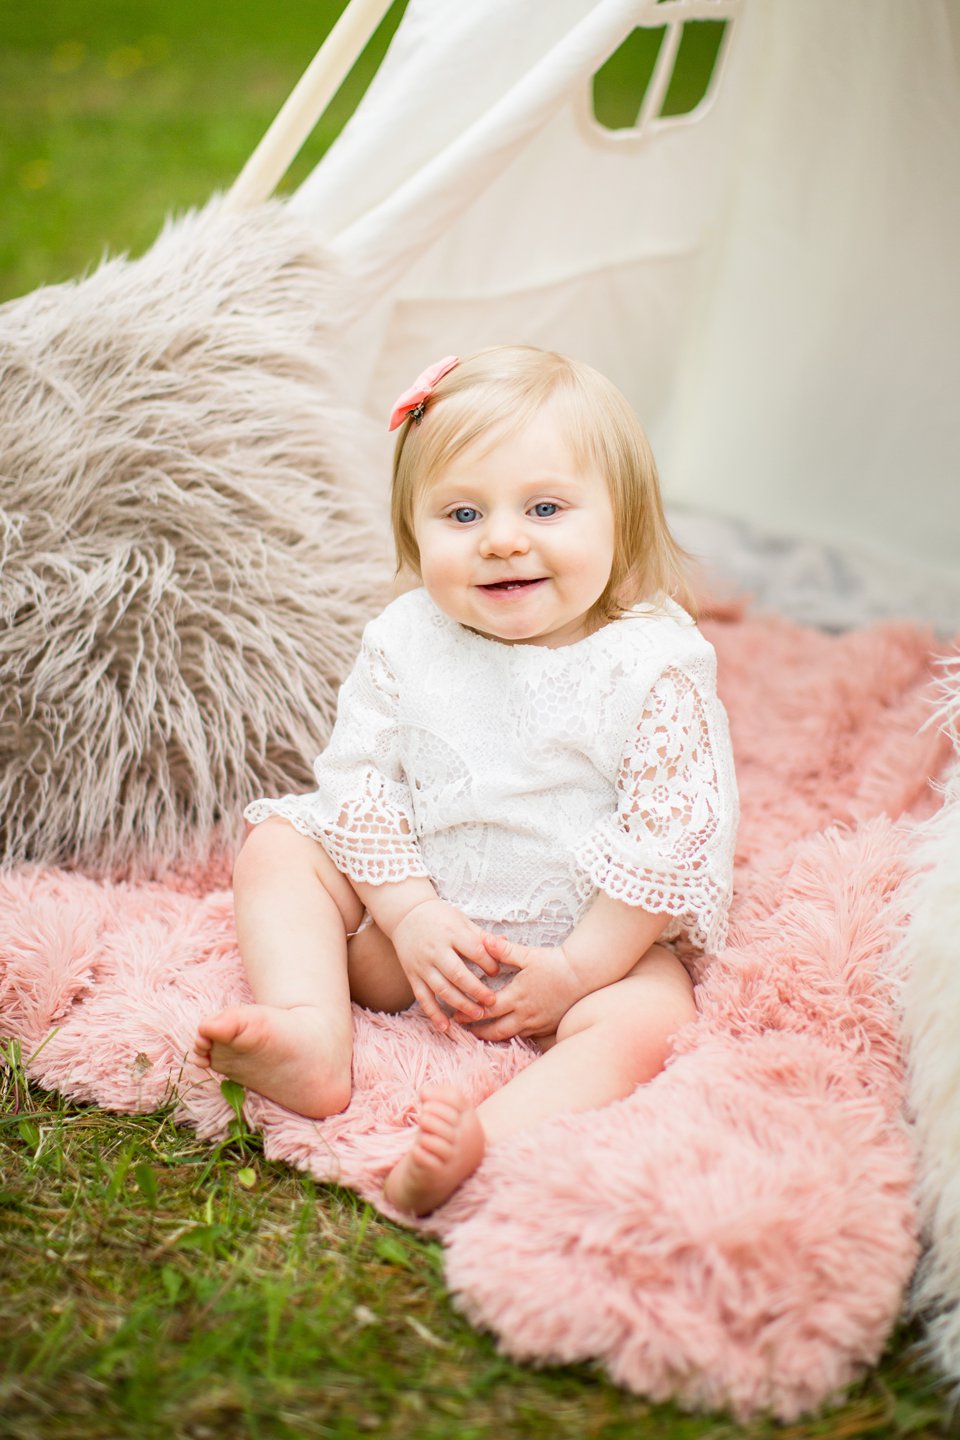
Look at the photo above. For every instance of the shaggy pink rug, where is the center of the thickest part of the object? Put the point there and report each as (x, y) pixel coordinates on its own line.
(737, 1233)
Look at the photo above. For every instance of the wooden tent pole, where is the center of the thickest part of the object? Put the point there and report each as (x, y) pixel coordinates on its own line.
(272, 158)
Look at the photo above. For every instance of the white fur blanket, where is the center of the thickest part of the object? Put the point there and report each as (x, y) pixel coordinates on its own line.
(931, 964)
(740, 1231)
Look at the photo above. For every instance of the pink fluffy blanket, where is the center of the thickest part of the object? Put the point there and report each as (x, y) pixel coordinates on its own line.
(739, 1231)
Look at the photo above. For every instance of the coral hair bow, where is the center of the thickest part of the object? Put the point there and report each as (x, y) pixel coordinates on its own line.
(412, 401)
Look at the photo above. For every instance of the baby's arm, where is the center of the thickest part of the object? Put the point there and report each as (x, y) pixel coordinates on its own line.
(431, 939)
(602, 948)
(609, 940)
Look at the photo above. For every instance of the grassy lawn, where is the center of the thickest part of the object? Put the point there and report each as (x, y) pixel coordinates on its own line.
(153, 1285)
(114, 114)
(150, 1284)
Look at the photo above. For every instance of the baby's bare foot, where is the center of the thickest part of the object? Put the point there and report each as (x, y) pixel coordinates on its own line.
(295, 1056)
(448, 1148)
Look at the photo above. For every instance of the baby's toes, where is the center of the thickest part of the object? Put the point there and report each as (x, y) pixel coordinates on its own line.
(434, 1149)
(201, 1048)
(439, 1112)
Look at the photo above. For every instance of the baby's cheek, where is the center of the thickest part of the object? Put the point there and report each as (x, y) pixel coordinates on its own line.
(588, 565)
(440, 564)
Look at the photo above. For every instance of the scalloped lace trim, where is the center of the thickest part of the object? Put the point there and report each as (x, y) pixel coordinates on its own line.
(359, 853)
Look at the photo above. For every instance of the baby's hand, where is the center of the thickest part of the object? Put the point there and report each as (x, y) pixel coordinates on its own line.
(536, 999)
(432, 941)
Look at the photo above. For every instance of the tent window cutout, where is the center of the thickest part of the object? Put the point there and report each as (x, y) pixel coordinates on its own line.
(658, 73)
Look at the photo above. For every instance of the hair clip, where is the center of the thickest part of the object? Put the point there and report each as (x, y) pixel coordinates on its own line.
(413, 402)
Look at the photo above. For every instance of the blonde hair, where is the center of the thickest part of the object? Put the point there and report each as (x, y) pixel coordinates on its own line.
(496, 392)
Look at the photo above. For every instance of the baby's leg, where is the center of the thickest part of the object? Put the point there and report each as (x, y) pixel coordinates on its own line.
(293, 912)
(607, 1044)
(449, 1147)
(377, 979)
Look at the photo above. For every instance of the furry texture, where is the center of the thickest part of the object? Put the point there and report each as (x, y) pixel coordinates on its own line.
(186, 556)
(931, 958)
(737, 1233)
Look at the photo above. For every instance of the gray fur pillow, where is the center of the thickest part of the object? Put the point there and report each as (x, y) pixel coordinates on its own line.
(188, 551)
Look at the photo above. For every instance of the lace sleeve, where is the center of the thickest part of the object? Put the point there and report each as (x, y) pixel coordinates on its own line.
(361, 811)
(668, 846)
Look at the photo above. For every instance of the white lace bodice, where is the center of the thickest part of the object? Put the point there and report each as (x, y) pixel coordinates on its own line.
(520, 778)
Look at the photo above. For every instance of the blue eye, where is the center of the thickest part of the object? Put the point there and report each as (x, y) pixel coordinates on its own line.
(545, 508)
(464, 514)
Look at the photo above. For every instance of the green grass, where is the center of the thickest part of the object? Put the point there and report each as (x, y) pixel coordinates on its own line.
(114, 113)
(152, 1284)
(155, 1285)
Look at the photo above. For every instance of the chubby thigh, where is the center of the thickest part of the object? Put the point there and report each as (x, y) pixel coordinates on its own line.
(279, 862)
(377, 979)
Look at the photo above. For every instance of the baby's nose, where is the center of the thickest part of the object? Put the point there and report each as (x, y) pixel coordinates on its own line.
(504, 535)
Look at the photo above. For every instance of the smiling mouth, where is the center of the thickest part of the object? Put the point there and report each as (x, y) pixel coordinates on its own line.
(504, 586)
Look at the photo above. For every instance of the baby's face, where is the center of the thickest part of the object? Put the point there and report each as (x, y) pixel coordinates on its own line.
(516, 538)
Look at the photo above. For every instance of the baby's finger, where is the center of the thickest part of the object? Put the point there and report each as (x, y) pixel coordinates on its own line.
(446, 991)
(428, 1004)
(467, 942)
(503, 1004)
(480, 955)
(472, 1017)
(505, 951)
(503, 1028)
(456, 973)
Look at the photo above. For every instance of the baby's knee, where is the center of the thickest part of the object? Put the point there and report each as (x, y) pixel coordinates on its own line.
(644, 1041)
(272, 844)
(639, 1016)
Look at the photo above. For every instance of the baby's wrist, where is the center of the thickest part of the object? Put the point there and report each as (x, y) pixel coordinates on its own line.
(390, 904)
(398, 920)
(576, 966)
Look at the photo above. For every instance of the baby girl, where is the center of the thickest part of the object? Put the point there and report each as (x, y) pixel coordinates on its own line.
(528, 795)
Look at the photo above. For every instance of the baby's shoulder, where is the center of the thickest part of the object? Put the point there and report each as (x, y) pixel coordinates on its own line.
(663, 632)
(405, 631)
(402, 620)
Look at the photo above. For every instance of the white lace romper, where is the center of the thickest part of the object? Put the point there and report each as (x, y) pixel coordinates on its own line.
(521, 779)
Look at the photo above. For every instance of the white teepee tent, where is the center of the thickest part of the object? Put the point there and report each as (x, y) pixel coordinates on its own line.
(770, 278)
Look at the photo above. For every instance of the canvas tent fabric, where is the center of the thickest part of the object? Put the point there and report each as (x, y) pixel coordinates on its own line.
(770, 279)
